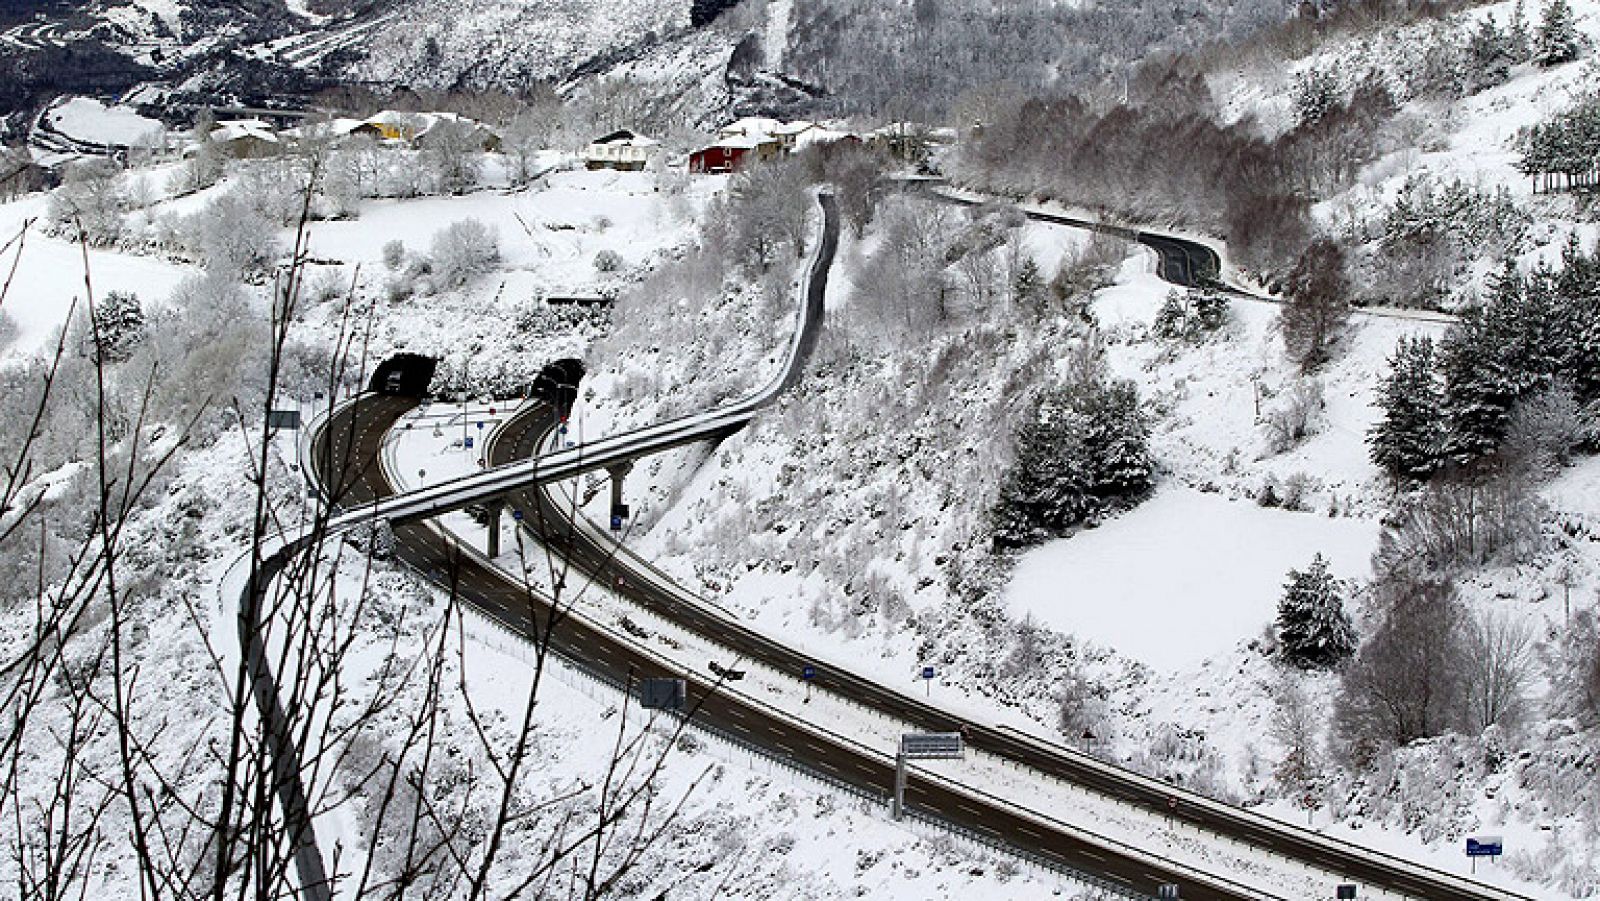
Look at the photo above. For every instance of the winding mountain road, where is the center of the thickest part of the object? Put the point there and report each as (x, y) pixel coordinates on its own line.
(351, 443)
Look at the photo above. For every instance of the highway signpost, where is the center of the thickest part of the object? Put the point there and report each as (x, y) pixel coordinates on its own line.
(922, 746)
(927, 676)
(808, 674)
(1490, 846)
(1346, 892)
(662, 694)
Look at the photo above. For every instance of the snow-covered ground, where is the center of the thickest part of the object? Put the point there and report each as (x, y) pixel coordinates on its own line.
(87, 119)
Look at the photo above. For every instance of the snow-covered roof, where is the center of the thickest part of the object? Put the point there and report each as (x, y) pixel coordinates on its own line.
(820, 135)
(751, 126)
(740, 142)
(798, 126)
(625, 138)
(238, 129)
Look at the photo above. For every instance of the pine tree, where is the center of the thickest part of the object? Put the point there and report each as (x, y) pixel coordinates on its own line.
(1557, 40)
(1028, 287)
(1313, 630)
(1520, 45)
(1172, 319)
(1407, 441)
(1083, 447)
(1489, 55)
(118, 325)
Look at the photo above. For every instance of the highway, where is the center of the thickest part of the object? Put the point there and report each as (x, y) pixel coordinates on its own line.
(347, 450)
(348, 464)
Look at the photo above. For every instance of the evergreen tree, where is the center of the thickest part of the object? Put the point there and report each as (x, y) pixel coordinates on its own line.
(1172, 319)
(1313, 630)
(1407, 441)
(118, 326)
(1489, 56)
(1518, 42)
(1028, 287)
(1083, 447)
(1557, 40)
(1210, 308)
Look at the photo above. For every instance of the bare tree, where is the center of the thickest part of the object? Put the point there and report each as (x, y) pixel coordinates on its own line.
(1316, 305)
(1501, 667)
(1408, 679)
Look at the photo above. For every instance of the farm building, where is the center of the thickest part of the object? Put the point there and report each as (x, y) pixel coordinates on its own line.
(246, 139)
(623, 150)
(729, 154)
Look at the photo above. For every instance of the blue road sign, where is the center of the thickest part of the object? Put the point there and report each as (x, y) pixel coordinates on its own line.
(808, 672)
(468, 440)
(480, 426)
(928, 673)
(517, 515)
(616, 523)
(1484, 846)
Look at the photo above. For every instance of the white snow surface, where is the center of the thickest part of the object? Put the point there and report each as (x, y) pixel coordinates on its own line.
(1221, 574)
(87, 119)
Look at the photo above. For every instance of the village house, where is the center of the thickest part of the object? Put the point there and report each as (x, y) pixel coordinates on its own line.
(624, 150)
(246, 139)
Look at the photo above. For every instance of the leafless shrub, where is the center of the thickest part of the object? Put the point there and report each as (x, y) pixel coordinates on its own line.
(1294, 417)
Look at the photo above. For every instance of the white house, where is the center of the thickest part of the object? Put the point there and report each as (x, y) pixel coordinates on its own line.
(623, 150)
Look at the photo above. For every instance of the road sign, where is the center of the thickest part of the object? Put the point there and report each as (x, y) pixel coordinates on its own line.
(1167, 891)
(1346, 892)
(732, 675)
(480, 426)
(928, 672)
(283, 419)
(932, 746)
(1485, 846)
(616, 523)
(467, 441)
(516, 515)
(662, 694)
(808, 672)
(422, 473)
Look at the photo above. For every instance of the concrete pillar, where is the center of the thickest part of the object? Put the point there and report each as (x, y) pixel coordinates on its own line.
(617, 473)
(900, 785)
(496, 508)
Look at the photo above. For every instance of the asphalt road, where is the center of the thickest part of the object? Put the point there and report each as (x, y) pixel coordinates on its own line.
(349, 447)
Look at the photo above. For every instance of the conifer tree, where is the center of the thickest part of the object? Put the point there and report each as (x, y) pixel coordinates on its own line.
(1407, 441)
(1557, 40)
(1314, 632)
(1489, 55)
(1518, 42)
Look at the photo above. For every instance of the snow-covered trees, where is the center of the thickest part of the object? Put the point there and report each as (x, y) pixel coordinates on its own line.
(1190, 315)
(1489, 55)
(1082, 450)
(1313, 630)
(452, 151)
(1316, 306)
(118, 325)
(234, 236)
(1406, 442)
(89, 202)
(1407, 680)
(462, 251)
(1557, 39)
(1564, 150)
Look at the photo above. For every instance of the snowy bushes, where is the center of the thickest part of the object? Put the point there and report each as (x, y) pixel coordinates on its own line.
(1294, 417)
(463, 251)
(1082, 450)
(89, 202)
(1432, 237)
(233, 236)
(1190, 315)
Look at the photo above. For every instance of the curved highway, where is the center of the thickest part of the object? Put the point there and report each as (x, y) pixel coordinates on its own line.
(591, 552)
(353, 439)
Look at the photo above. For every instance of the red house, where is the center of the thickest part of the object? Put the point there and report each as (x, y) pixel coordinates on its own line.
(729, 154)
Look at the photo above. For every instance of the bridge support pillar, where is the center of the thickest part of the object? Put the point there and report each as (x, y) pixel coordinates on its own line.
(899, 808)
(618, 473)
(496, 509)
